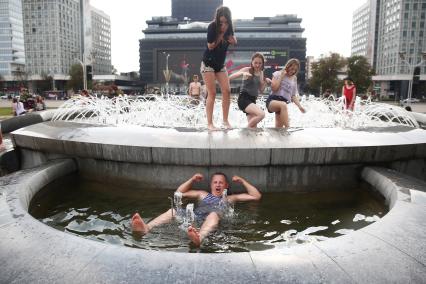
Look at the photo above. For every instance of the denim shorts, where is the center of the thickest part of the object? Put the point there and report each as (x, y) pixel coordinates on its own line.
(205, 68)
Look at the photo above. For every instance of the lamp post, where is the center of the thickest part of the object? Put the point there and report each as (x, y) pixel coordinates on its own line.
(53, 79)
(411, 68)
(167, 72)
(84, 73)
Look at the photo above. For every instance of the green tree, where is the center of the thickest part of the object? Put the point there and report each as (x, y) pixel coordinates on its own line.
(45, 84)
(76, 77)
(324, 74)
(360, 71)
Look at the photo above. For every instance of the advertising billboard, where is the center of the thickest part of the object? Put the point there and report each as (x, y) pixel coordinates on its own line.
(178, 66)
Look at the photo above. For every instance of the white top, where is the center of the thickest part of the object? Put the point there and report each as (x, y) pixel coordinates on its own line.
(18, 107)
(288, 86)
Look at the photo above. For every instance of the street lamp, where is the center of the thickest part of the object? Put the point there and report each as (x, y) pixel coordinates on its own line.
(166, 72)
(83, 65)
(411, 68)
(52, 74)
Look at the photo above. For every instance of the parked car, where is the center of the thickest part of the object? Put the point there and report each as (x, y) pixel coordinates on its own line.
(411, 100)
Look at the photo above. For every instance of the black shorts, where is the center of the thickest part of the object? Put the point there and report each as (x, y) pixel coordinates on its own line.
(244, 99)
(275, 98)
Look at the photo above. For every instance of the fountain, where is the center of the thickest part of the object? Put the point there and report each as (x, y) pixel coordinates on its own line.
(155, 141)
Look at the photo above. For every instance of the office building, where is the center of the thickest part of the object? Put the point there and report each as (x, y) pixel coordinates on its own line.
(178, 46)
(61, 33)
(101, 42)
(399, 46)
(363, 31)
(194, 10)
(12, 50)
(52, 36)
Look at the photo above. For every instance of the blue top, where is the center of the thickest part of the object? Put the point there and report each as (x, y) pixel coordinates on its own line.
(209, 204)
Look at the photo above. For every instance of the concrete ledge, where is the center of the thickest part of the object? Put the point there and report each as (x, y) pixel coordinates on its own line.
(419, 117)
(16, 122)
(9, 161)
(390, 250)
(237, 147)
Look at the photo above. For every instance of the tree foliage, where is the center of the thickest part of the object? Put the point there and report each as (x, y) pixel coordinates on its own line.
(45, 84)
(324, 74)
(76, 77)
(360, 71)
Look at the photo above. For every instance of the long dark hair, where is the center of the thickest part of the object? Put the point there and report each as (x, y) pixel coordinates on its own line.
(256, 55)
(223, 11)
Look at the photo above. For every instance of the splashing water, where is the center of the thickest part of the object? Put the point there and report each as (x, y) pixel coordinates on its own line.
(179, 111)
(177, 199)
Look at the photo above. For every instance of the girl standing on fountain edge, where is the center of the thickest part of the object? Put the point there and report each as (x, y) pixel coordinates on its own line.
(284, 91)
(220, 34)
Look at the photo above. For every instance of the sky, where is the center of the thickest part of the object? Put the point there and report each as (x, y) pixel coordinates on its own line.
(327, 23)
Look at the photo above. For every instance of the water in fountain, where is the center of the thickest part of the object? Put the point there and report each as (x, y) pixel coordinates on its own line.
(178, 111)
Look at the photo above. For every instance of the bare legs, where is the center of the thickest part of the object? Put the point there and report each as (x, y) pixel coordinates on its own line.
(209, 225)
(281, 113)
(139, 226)
(255, 115)
(210, 81)
(222, 78)
(196, 236)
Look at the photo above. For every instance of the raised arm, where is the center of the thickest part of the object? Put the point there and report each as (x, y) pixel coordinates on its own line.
(232, 40)
(252, 192)
(264, 82)
(187, 190)
(243, 71)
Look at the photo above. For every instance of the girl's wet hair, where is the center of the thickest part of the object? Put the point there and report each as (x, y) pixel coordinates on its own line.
(291, 62)
(256, 55)
(223, 11)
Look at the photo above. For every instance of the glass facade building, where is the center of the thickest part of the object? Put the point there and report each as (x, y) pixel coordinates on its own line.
(12, 50)
(399, 28)
(101, 42)
(363, 31)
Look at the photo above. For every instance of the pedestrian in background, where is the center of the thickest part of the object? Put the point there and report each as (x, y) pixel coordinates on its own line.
(349, 93)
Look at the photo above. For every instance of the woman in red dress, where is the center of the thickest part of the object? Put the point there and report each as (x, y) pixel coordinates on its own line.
(349, 92)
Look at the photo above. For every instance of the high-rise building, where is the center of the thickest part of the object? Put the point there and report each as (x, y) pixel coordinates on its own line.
(61, 33)
(12, 51)
(194, 10)
(363, 30)
(399, 45)
(101, 42)
(52, 36)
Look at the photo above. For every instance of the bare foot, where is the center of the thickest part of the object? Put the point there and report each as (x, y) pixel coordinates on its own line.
(211, 127)
(138, 225)
(194, 236)
(227, 125)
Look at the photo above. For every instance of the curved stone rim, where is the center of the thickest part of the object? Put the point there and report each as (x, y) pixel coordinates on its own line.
(376, 253)
(237, 147)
